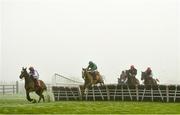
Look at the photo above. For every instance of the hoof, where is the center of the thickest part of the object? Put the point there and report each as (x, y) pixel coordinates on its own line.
(34, 101)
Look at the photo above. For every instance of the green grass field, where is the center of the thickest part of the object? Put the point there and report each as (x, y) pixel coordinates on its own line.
(18, 104)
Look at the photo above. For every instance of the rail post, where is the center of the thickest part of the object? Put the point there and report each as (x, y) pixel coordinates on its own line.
(17, 87)
(167, 93)
(3, 89)
(13, 88)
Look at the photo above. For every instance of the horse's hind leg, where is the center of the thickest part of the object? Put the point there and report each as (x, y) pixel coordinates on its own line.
(43, 97)
(101, 83)
(40, 96)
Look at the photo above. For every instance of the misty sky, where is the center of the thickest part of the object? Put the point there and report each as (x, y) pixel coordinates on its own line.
(62, 36)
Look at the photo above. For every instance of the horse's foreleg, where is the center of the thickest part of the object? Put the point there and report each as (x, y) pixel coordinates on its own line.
(86, 87)
(83, 88)
(28, 97)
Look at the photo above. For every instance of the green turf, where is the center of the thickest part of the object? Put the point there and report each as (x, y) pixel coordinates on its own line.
(18, 104)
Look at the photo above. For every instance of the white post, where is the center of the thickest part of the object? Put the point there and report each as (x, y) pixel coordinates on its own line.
(3, 89)
(137, 94)
(17, 87)
(93, 93)
(107, 90)
(152, 99)
(129, 92)
(122, 92)
(115, 93)
(175, 93)
(167, 93)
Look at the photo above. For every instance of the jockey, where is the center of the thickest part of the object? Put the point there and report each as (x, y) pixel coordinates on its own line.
(133, 71)
(122, 77)
(34, 75)
(149, 72)
(93, 68)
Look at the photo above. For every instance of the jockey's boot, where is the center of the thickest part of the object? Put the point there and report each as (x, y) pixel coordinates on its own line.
(94, 75)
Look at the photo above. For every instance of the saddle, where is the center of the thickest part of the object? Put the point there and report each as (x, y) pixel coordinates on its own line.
(36, 83)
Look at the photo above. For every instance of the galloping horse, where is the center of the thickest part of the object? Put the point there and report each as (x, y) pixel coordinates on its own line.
(88, 78)
(129, 79)
(30, 86)
(123, 79)
(148, 80)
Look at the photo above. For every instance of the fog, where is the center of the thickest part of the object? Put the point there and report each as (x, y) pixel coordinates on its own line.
(62, 36)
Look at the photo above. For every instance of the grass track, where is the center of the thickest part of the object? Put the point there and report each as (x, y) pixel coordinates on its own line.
(18, 104)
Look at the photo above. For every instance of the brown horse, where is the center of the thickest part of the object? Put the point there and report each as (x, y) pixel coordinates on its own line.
(30, 86)
(148, 80)
(123, 78)
(89, 81)
(130, 80)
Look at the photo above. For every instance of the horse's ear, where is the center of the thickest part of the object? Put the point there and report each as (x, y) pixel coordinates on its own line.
(25, 68)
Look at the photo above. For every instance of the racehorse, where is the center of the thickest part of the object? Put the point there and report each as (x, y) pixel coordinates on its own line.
(30, 86)
(89, 81)
(122, 79)
(129, 79)
(148, 80)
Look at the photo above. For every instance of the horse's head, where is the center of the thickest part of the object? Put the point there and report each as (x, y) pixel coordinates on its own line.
(143, 75)
(84, 73)
(24, 73)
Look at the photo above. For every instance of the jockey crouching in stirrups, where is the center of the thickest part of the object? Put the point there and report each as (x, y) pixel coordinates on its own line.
(149, 72)
(92, 67)
(132, 71)
(34, 76)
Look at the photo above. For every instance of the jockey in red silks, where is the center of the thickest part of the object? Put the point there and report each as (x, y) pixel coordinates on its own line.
(133, 71)
(149, 72)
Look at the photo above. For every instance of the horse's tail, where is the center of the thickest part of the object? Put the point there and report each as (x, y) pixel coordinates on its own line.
(45, 88)
(48, 94)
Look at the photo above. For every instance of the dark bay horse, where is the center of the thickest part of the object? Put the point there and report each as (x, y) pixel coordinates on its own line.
(88, 78)
(129, 79)
(30, 86)
(148, 80)
(123, 78)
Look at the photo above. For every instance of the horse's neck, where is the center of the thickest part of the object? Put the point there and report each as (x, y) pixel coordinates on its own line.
(28, 79)
(88, 75)
(147, 78)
